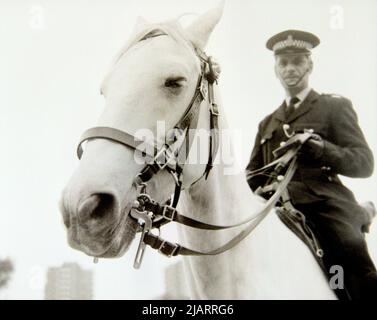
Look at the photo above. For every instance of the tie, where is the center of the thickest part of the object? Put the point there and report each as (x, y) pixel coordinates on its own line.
(291, 107)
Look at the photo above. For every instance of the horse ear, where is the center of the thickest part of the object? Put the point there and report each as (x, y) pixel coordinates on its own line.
(200, 30)
(140, 24)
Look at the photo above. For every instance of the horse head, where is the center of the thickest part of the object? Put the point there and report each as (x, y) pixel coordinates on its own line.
(154, 78)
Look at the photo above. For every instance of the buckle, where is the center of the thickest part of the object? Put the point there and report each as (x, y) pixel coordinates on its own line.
(145, 227)
(214, 109)
(203, 88)
(168, 213)
(170, 247)
(141, 201)
(319, 253)
(168, 156)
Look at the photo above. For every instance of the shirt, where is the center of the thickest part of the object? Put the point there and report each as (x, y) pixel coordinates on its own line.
(301, 95)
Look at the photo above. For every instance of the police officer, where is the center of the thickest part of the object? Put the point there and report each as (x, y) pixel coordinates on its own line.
(338, 146)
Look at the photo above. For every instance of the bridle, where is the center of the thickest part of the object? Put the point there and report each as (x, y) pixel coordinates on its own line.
(151, 214)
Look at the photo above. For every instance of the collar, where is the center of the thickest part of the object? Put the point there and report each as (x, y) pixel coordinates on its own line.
(311, 98)
(301, 95)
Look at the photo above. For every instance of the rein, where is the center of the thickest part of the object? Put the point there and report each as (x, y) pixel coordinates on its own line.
(170, 214)
(152, 215)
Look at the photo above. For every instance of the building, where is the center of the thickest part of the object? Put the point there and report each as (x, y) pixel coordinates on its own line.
(69, 282)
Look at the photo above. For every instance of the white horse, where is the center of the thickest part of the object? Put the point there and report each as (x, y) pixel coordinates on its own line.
(154, 79)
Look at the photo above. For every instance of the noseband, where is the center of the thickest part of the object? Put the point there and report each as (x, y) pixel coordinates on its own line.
(152, 215)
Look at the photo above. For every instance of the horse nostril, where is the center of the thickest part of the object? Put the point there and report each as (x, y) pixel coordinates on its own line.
(96, 206)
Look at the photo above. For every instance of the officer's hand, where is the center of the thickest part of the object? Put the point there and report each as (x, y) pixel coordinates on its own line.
(313, 148)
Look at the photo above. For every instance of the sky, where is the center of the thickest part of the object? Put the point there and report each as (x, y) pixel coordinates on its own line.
(54, 55)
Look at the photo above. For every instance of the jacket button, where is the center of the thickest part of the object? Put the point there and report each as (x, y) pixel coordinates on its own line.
(263, 141)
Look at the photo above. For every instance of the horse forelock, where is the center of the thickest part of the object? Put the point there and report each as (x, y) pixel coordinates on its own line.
(171, 28)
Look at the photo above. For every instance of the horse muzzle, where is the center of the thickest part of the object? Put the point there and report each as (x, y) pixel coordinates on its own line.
(98, 227)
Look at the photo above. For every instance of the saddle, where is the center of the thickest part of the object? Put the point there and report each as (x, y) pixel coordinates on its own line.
(296, 221)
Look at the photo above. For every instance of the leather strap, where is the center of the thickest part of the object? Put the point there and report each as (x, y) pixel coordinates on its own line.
(171, 249)
(214, 127)
(294, 142)
(113, 135)
(170, 213)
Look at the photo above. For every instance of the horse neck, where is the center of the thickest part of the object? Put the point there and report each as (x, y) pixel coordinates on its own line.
(246, 271)
(223, 200)
(224, 197)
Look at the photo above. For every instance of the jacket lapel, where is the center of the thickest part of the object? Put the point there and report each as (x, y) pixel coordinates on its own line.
(280, 112)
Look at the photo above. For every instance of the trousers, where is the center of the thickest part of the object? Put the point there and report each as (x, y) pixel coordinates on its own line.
(338, 226)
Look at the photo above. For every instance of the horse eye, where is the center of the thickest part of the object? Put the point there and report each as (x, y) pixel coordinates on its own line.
(175, 83)
(172, 84)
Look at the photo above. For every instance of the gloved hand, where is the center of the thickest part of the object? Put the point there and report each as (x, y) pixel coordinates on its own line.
(313, 148)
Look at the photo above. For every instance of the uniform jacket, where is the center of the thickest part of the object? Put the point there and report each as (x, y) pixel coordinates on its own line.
(345, 150)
